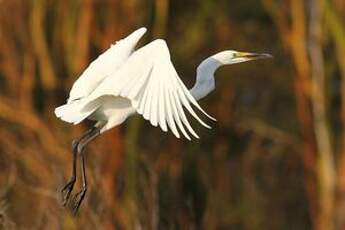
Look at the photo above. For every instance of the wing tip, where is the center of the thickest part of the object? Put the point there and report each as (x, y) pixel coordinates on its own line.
(142, 29)
(206, 114)
(139, 32)
(177, 135)
(212, 118)
(196, 136)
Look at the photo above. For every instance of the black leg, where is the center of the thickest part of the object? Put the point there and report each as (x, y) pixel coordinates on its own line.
(79, 197)
(67, 189)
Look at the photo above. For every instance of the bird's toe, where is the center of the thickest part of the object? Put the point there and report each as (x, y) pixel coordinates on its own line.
(76, 200)
(66, 192)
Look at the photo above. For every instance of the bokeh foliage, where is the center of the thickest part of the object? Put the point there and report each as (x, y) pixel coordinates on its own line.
(275, 159)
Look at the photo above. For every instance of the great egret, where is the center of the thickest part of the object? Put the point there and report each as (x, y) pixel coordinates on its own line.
(122, 82)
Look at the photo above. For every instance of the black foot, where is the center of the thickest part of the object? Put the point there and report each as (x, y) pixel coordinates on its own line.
(66, 191)
(77, 200)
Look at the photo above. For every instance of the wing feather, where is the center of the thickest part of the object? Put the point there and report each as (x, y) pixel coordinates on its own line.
(104, 65)
(175, 113)
(161, 114)
(150, 81)
(138, 87)
(186, 104)
(192, 99)
(183, 116)
(155, 95)
(169, 114)
(148, 103)
(142, 100)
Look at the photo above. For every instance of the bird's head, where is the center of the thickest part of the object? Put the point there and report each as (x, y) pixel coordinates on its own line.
(228, 57)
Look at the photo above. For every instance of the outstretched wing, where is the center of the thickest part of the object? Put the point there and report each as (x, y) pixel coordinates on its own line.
(150, 81)
(104, 65)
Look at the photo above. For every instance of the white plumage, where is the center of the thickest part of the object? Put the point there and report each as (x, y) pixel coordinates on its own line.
(122, 82)
(105, 65)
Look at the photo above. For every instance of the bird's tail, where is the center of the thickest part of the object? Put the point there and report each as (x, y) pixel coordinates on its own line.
(73, 112)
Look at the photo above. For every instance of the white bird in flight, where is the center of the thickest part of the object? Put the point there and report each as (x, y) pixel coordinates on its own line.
(123, 81)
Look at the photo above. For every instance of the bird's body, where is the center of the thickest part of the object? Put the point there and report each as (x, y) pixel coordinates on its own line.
(124, 81)
(142, 81)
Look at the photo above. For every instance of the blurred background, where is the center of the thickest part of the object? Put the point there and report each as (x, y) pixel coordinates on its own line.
(275, 159)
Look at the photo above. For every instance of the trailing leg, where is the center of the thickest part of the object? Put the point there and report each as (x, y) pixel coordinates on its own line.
(79, 197)
(67, 189)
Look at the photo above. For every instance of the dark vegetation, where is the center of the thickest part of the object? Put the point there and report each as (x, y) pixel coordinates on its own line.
(274, 160)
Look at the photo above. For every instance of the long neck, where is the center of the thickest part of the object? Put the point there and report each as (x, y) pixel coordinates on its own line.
(205, 82)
